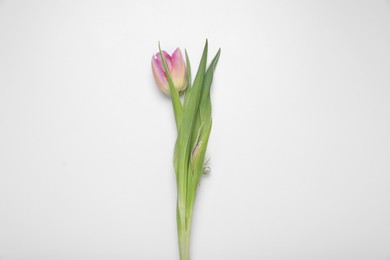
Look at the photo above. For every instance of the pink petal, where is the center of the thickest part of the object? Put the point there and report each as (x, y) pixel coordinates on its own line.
(178, 70)
(167, 58)
(177, 59)
(159, 74)
(157, 67)
(178, 64)
(176, 67)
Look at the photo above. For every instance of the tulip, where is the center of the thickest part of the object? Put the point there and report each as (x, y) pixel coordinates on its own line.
(176, 68)
(193, 123)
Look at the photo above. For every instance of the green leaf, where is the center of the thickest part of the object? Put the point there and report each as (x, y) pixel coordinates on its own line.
(192, 140)
(176, 102)
(205, 105)
(187, 124)
(189, 79)
(204, 116)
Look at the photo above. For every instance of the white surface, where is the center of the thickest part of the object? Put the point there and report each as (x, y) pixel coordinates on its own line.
(300, 149)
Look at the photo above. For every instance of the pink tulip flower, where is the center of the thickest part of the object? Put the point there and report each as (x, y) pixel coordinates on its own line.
(176, 68)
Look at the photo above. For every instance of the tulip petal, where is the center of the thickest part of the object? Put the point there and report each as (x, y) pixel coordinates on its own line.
(157, 66)
(168, 60)
(159, 75)
(178, 71)
(177, 62)
(175, 67)
(177, 57)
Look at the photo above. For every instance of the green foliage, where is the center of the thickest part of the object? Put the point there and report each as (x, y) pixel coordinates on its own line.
(193, 122)
(177, 106)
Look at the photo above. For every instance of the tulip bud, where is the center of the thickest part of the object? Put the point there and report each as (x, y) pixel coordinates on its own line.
(176, 68)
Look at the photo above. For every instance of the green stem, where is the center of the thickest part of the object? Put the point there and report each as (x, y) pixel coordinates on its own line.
(184, 231)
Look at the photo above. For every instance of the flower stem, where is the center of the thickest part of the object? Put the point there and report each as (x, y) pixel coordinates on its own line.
(184, 219)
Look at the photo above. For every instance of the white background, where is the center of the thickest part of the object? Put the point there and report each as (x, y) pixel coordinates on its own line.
(300, 147)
